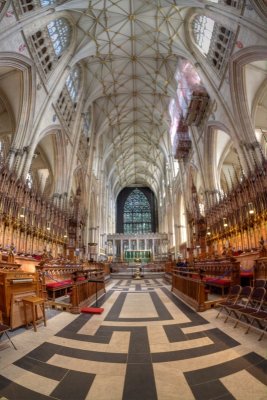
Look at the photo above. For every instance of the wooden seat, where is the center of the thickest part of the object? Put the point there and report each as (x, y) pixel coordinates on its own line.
(34, 302)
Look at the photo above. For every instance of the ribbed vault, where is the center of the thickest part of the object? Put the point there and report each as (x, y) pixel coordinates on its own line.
(130, 49)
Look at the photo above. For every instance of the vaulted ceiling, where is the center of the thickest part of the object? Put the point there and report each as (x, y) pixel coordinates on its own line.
(130, 49)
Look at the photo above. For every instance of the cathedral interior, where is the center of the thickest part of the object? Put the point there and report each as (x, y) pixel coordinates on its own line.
(133, 199)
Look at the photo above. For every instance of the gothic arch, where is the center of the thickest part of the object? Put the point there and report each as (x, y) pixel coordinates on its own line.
(238, 89)
(55, 145)
(261, 93)
(26, 94)
(210, 151)
(261, 8)
(7, 125)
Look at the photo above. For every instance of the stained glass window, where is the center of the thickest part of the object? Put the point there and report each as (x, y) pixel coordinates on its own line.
(137, 213)
(60, 32)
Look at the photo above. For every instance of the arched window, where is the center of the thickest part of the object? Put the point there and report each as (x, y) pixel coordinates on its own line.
(202, 32)
(59, 32)
(214, 40)
(67, 101)
(50, 42)
(137, 213)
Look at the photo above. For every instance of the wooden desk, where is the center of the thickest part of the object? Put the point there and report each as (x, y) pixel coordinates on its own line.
(34, 302)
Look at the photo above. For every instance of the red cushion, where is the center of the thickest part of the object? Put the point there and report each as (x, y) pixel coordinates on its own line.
(217, 281)
(58, 284)
(92, 310)
(246, 274)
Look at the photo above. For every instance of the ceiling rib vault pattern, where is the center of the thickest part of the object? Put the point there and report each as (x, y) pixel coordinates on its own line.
(131, 49)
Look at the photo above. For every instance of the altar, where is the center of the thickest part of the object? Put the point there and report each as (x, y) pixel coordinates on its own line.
(145, 247)
(143, 255)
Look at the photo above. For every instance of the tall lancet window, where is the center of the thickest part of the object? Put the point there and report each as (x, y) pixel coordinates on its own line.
(137, 213)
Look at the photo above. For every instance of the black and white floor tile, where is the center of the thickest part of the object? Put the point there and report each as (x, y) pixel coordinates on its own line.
(146, 345)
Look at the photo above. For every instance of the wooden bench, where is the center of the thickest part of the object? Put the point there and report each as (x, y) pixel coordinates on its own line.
(55, 279)
(219, 273)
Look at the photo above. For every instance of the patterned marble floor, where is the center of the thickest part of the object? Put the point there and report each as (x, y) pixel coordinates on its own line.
(146, 345)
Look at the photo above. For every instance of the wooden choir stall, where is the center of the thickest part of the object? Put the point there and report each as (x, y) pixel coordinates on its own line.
(69, 285)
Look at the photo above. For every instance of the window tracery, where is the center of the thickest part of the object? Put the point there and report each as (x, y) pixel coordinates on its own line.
(50, 42)
(67, 101)
(214, 40)
(25, 6)
(59, 32)
(137, 213)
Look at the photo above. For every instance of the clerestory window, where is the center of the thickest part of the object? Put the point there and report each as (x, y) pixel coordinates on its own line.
(50, 42)
(67, 101)
(60, 33)
(214, 40)
(73, 83)
(202, 32)
(24, 6)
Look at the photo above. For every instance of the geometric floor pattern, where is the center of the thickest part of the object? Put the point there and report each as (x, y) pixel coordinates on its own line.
(146, 345)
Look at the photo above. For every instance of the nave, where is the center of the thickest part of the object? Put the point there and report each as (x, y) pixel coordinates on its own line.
(146, 345)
